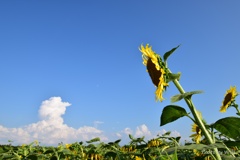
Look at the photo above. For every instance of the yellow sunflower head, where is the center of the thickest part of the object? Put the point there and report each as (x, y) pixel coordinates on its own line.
(156, 70)
(68, 146)
(198, 133)
(229, 98)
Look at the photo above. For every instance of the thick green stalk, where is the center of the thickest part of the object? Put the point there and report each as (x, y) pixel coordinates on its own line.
(196, 117)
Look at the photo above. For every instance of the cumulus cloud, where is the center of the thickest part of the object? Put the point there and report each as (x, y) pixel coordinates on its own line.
(51, 110)
(50, 130)
(173, 133)
(141, 131)
(127, 131)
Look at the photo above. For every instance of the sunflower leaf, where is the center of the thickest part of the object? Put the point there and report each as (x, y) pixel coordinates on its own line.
(173, 76)
(167, 133)
(167, 54)
(93, 140)
(229, 126)
(179, 97)
(171, 113)
(202, 146)
(176, 98)
(189, 94)
(131, 137)
(232, 143)
(194, 146)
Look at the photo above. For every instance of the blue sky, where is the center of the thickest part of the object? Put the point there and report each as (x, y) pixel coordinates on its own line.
(85, 53)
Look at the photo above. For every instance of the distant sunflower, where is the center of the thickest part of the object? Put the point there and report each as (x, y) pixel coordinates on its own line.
(156, 70)
(229, 98)
(68, 146)
(198, 133)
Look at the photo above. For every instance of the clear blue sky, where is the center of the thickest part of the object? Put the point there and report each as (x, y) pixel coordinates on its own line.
(85, 53)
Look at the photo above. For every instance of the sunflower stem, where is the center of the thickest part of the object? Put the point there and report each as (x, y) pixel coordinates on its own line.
(236, 107)
(196, 116)
(191, 118)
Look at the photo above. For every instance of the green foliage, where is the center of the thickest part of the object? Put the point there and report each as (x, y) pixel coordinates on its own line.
(229, 126)
(94, 140)
(167, 54)
(185, 95)
(171, 113)
(163, 147)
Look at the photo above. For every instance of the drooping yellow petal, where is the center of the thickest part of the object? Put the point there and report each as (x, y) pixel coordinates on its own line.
(161, 87)
(148, 53)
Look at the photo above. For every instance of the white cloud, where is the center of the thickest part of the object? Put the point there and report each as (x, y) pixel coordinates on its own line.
(173, 133)
(118, 135)
(142, 131)
(51, 110)
(127, 131)
(50, 130)
(96, 123)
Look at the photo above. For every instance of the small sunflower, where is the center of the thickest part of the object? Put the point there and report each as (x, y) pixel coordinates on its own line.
(198, 133)
(229, 98)
(156, 70)
(68, 146)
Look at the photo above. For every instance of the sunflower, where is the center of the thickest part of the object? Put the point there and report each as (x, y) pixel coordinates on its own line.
(229, 98)
(68, 146)
(198, 133)
(156, 70)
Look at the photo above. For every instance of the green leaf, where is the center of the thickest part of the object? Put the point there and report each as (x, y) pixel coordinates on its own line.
(117, 141)
(229, 126)
(140, 139)
(66, 152)
(176, 138)
(194, 146)
(173, 76)
(131, 137)
(171, 113)
(179, 97)
(176, 98)
(93, 140)
(167, 133)
(202, 146)
(167, 54)
(232, 143)
(34, 157)
(228, 157)
(110, 154)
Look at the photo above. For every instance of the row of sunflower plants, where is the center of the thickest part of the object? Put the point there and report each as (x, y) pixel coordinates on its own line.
(163, 147)
(219, 140)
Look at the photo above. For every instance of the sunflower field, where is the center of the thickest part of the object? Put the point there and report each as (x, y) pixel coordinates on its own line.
(163, 147)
